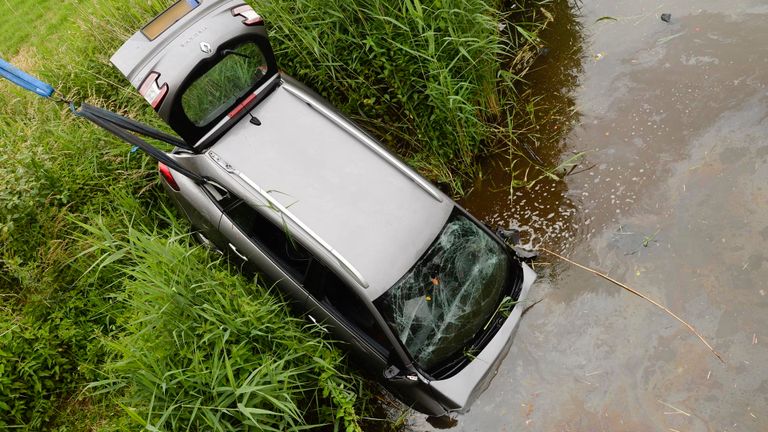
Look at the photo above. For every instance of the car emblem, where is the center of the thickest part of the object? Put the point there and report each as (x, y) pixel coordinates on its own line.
(205, 47)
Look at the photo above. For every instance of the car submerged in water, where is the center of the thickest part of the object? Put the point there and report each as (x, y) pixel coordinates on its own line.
(425, 297)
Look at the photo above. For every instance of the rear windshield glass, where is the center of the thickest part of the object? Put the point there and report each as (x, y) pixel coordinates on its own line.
(216, 91)
(439, 306)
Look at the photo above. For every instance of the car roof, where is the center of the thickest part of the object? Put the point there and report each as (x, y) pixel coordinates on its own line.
(365, 206)
(376, 213)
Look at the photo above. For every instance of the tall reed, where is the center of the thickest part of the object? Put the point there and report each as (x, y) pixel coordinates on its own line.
(432, 79)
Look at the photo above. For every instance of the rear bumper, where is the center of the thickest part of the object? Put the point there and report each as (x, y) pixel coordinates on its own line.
(459, 391)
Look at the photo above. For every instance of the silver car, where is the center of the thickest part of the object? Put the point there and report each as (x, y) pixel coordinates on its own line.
(422, 293)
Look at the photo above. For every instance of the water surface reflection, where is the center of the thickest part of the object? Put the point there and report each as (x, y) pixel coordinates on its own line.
(674, 120)
(524, 188)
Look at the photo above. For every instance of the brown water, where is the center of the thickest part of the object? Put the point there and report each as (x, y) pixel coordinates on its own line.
(672, 198)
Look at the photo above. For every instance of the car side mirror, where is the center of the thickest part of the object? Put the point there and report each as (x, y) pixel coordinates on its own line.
(512, 239)
(508, 235)
(393, 373)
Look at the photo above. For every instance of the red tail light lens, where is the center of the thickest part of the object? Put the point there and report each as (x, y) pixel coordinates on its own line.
(250, 15)
(168, 176)
(151, 90)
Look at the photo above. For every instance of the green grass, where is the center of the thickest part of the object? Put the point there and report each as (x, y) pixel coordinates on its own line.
(432, 79)
(208, 350)
(110, 319)
(32, 23)
(65, 324)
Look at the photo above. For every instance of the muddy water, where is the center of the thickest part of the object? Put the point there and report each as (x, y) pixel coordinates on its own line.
(670, 197)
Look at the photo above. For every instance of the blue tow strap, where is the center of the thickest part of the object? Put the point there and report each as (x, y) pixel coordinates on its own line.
(114, 123)
(24, 80)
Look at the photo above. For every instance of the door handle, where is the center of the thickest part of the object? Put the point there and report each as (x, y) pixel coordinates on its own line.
(234, 249)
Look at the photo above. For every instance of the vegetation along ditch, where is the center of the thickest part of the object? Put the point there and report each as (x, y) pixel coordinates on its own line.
(111, 318)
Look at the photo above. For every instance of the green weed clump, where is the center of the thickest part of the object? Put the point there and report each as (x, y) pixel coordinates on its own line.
(50, 323)
(33, 367)
(432, 79)
(205, 349)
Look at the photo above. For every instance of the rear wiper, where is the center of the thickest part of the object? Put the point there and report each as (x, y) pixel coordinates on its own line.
(239, 54)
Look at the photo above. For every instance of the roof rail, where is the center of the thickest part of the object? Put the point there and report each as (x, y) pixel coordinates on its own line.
(275, 204)
(370, 143)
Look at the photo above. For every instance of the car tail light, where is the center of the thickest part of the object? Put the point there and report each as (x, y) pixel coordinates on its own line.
(151, 90)
(250, 15)
(168, 176)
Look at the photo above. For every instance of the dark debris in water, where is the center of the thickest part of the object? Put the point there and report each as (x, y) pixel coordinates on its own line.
(666, 17)
(444, 422)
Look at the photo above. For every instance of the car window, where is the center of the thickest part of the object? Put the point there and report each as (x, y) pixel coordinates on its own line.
(329, 290)
(216, 91)
(275, 241)
(323, 284)
(440, 306)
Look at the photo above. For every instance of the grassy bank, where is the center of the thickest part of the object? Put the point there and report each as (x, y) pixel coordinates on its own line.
(436, 80)
(111, 319)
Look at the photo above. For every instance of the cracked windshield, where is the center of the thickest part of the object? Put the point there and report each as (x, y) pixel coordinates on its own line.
(449, 295)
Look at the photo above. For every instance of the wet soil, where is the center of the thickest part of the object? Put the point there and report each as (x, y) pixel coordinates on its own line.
(670, 196)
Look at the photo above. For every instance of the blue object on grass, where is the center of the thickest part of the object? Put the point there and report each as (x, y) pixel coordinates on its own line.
(24, 80)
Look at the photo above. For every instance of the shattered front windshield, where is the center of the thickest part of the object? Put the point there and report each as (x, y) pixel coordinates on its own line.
(439, 306)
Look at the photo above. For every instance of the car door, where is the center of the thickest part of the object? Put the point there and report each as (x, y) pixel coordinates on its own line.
(265, 248)
(332, 302)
